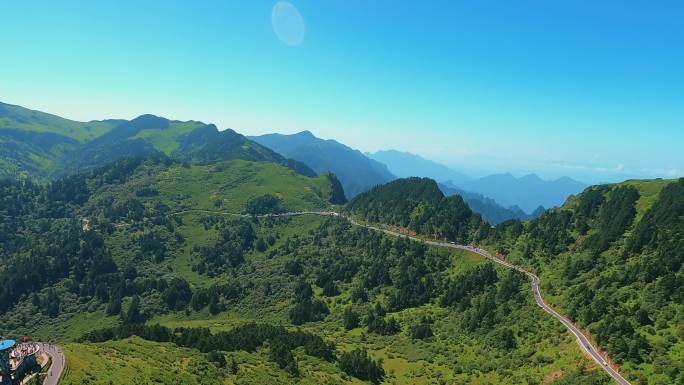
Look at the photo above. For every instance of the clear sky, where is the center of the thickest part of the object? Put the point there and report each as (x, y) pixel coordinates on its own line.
(590, 89)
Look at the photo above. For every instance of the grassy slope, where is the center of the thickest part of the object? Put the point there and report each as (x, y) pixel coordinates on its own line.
(450, 357)
(21, 118)
(406, 361)
(190, 190)
(165, 140)
(232, 183)
(648, 193)
(550, 349)
(182, 188)
(236, 182)
(41, 155)
(136, 361)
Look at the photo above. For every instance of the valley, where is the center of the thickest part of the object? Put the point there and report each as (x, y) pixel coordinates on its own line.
(226, 262)
(292, 192)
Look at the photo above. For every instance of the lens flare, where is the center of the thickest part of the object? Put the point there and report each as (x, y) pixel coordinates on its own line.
(288, 23)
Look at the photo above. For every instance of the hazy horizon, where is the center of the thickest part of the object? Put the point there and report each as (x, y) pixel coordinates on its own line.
(524, 88)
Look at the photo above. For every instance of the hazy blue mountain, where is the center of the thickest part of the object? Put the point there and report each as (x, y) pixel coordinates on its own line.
(528, 192)
(490, 210)
(356, 172)
(405, 164)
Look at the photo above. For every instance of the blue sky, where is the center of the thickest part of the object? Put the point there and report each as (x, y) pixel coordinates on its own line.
(589, 89)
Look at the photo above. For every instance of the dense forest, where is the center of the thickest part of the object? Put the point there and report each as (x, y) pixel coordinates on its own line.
(59, 249)
(615, 270)
(373, 279)
(593, 253)
(419, 205)
(55, 233)
(137, 248)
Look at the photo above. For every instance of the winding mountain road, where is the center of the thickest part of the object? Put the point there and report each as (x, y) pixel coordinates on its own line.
(582, 340)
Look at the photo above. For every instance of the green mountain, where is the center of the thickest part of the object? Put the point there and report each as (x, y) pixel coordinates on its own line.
(192, 142)
(34, 142)
(46, 146)
(144, 272)
(418, 204)
(46, 228)
(356, 172)
(22, 119)
(148, 266)
(611, 258)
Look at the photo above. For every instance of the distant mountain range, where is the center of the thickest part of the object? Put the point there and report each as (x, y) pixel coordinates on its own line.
(528, 192)
(356, 172)
(490, 210)
(46, 146)
(405, 165)
(359, 173)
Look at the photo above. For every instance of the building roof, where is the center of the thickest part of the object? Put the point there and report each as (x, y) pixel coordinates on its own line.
(6, 344)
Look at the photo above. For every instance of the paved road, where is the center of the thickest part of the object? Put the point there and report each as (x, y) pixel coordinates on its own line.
(584, 342)
(54, 373)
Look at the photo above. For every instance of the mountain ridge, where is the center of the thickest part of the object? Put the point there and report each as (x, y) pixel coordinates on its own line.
(528, 192)
(45, 146)
(356, 172)
(406, 164)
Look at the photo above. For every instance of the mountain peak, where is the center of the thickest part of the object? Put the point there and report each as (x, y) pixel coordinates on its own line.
(528, 192)
(406, 164)
(531, 178)
(355, 171)
(149, 121)
(305, 134)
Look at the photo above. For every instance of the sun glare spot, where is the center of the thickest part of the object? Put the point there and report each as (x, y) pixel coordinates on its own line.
(288, 23)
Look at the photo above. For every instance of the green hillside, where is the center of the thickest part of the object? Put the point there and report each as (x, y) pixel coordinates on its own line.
(611, 259)
(147, 266)
(34, 143)
(22, 119)
(165, 140)
(43, 146)
(225, 187)
(96, 259)
(419, 205)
